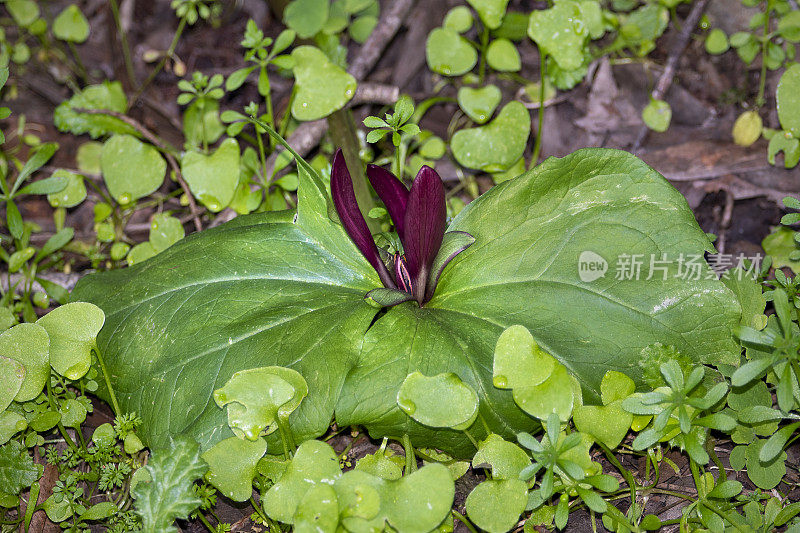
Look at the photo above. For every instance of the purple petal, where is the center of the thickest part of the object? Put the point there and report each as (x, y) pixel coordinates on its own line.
(392, 192)
(344, 199)
(426, 216)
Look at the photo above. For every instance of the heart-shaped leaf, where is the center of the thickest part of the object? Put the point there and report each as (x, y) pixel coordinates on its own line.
(306, 17)
(314, 463)
(71, 195)
(29, 345)
(213, 178)
(491, 12)
(495, 505)
(608, 424)
(421, 398)
(71, 25)
(479, 104)
(322, 86)
(497, 145)
(417, 502)
(291, 293)
(448, 53)
(258, 396)
(506, 458)
(131, 168)
(165, 231)
(12, 374)
(72, 328)
(518, 360)
(502, 56)
(232, 466)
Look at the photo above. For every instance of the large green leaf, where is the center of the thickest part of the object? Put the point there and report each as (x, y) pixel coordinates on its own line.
(269, 290)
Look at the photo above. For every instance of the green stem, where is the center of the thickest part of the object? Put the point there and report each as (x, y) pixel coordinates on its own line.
(263, 157)
(126, 50)
(61, 428)
(762, 82)
(622, 470)
(107, 379)
(471, 439)
(537, 147)
(206, 523)
(268, 102)
(259, 511)
(169, 53)
(461, 518)
(484, 43)
(411, 460)
(81, 68)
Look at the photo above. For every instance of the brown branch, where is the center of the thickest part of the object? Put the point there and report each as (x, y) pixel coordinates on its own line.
(665, 81)
(165, 148)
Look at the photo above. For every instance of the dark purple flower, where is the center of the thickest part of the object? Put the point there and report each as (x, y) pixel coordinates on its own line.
(420, 218)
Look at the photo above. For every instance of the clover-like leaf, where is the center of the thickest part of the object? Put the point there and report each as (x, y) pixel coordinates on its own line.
(322, 86)
(29, 345)
(306, 17)
(657, 115)
(72, 328)
(421, 398)
(257, 397)
(270, 289)
(448, 53)
(497, 145)
(232, 466)
(131, 168)
(518, 360)
(213, 178)
(479, 104)
(314, 463)
(71, 195)
(560, 33)
(506, 458)
(496, 504)
(502, 56)
(165, 231)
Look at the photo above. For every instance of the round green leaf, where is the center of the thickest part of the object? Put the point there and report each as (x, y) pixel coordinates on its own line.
(318, 511)
(479, 104)
(232, 466)
(201, 122)
(70, 25)
(747, 128)
(11, 423)
(459, 19)
(502, 56)
(131, 168)
(28, 344)
(518, 360)
(213, 178)
(140, 252)
(497, 145)
(554, 395)
(560, 33)
(608, 423)
(322, 86)
(448, 53)
(788, 97)
(314, 463)
(491, 12)
(72, 328)
(306, 17)
(717, 42)
(24, 12)
(765, 475)
(73, 413)
(421, 398)
(256, 398)
(88, 157)
(361, 28)
(657, 115)
(73, 194)
(165, 231)
(496, 505)
(506, 458)
(12, 374)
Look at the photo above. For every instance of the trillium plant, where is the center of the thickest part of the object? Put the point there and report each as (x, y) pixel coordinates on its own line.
(420, 218)
(287, 289)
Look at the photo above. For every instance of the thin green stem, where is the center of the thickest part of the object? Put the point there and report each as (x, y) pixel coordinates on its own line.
(484, 43)
(126, 50)
(61, 428)
(537, 147)
(260, 512)
(262, 155)
(762, 82)
(168, 54)
(107, 379)
(461, 518)
(81, 68)
(471, 439)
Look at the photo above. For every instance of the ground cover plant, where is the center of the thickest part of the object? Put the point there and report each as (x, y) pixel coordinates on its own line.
(351, 265)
